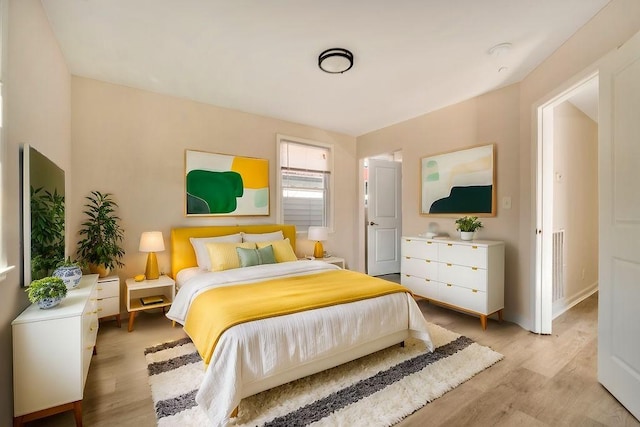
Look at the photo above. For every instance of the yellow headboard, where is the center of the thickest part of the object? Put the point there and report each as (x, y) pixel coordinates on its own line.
(183, 256)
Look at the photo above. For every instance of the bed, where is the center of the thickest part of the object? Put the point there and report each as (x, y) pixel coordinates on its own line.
(252, 356)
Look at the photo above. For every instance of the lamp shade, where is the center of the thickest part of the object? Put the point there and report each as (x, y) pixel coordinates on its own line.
(151, 241)
(318, 233)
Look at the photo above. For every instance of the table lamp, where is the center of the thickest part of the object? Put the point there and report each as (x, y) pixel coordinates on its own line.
(318, 234)
(152, 242)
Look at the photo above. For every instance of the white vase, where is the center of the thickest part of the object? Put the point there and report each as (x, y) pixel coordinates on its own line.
(466, 235)
(70, 275)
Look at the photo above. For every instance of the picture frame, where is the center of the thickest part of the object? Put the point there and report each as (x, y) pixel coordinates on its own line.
(461, 182)
(225, 185)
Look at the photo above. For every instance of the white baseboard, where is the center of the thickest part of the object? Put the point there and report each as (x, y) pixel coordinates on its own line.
(564, 304)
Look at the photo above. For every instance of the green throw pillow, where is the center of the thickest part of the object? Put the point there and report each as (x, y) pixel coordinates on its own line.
(249, 257)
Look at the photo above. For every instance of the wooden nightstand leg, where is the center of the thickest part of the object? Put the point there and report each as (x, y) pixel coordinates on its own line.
(118, 320)
(132, 317)
(483, 322)
(500, 316)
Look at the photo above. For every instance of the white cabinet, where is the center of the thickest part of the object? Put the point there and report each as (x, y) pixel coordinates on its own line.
(109, 298)
(468, 276)
(52, 351)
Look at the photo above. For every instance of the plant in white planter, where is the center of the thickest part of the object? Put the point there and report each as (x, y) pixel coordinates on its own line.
(46, 292)
(70, 272)
(467, 225)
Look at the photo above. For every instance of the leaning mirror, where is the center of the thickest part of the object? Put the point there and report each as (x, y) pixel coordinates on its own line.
(43, 214)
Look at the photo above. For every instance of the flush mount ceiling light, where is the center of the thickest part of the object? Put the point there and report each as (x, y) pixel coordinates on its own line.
(499, 50)
(335, 60)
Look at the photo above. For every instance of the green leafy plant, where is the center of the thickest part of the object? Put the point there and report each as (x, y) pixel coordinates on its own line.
(70, 263)
(47, 231)
(102, 232)
(47, 287)
(468, 223)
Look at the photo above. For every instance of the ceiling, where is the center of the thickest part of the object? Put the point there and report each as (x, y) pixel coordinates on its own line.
(411, 56)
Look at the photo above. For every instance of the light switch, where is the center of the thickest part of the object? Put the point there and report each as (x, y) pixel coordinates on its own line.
(506, 202)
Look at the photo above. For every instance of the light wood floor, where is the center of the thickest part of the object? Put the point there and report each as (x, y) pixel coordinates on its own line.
(542, 381)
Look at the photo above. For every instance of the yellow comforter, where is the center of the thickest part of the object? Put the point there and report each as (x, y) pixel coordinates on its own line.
(216, 310)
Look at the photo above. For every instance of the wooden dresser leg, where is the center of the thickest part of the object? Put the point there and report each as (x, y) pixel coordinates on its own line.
(118, 320)
(17, 421)
(77, 412)
(500, 316)
(483, 322)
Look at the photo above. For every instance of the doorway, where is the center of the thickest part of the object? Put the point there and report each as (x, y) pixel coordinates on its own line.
(566, 202)
(382, 177)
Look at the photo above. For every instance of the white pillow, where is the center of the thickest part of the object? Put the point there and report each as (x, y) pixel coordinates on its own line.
(200, 247)
(263, 237)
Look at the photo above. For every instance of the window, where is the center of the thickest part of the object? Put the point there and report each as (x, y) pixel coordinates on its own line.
(304, 194)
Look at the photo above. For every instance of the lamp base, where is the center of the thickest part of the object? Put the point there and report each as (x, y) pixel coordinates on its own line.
(318, 250)
(151, 271)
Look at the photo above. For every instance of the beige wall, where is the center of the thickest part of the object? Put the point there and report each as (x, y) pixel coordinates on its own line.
(37, 111)
(487, 119)
(575, 199)
(610, 28)
(505, 117)
(131, 143)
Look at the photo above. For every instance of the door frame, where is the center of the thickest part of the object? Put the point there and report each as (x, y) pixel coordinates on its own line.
(542, 198)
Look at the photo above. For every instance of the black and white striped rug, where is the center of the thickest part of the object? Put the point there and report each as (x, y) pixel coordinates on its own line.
(377, 390)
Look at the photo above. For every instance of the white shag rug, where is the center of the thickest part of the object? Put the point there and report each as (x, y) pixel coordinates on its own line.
(377, 390)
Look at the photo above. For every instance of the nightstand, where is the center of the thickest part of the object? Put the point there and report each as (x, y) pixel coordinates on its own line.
(163, 288)
(333, 260)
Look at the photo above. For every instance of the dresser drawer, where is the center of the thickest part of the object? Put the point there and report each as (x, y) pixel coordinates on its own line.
(108, 288)
(416, 248)
(460, 275)
(471, 255)
(426, 269)
(109, 306)
(420, 286)
(464, 298)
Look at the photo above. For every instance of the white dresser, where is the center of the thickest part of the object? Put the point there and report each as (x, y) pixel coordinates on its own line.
(109, 298)
(467, 276)
(52, 351)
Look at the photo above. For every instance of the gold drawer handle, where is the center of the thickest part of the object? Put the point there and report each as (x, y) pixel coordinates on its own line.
(448, 265)
(449, 285)
(474, 268)
(99, 289)
(475, 291)
(90, 347)
(427, 260)
(427, 280)
(99, 308)
(407, 240)
(429, 243)
(407, 257)
(474, 247)
(407, 275)
(449, 244)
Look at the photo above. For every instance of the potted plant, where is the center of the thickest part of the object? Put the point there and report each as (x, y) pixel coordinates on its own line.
(70, 272)
(102, 235)
(467, 225)
(47, 292)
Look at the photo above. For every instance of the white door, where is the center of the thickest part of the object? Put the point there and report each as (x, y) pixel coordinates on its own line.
(619, 189)
(384, 217)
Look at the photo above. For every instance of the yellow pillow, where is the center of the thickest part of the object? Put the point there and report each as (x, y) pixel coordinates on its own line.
(224, 256)
(281, 248)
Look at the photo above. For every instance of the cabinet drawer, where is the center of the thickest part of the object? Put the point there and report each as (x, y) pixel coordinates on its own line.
(108, 289)
(426, 269)
(109, 306)
(420, 286)
(424, 249)
(471, 255)
(464, 298)
(460, 275)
